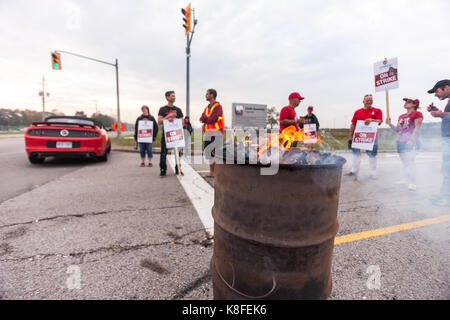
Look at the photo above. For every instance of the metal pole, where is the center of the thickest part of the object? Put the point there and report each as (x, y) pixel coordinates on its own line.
(188, 54)
(118, 103)
(43, 98)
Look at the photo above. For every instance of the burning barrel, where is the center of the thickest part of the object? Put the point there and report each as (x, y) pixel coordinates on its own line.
(274, 234)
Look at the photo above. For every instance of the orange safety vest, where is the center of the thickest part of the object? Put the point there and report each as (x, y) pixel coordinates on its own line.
(218, 125)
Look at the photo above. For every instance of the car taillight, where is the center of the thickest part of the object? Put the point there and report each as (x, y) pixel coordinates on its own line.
(91, 134)
(35, 132)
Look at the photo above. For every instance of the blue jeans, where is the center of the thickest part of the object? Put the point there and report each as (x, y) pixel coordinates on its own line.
(143, 147)
(445, 189)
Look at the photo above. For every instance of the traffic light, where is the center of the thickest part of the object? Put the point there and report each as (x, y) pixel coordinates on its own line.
(56, 61)
(187, 18)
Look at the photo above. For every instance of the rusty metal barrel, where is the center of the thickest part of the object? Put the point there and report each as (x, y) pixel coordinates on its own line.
(274, 234)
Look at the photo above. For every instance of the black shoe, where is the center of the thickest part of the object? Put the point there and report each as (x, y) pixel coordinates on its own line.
(176, 171)
(163, 173)
(351, 174)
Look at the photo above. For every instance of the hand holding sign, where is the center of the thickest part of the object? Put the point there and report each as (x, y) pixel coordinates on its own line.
(365, 135)
(173, 133)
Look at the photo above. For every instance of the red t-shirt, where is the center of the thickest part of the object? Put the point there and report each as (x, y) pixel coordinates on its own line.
(288, 113)
(406, 125)
(364, 114)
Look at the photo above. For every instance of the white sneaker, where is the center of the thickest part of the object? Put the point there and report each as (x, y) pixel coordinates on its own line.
(412, 187)
(373, 175)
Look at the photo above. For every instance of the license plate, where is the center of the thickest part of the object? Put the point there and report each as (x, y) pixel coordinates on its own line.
(64, 144)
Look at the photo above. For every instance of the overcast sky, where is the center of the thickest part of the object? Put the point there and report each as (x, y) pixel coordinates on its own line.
(249, 51)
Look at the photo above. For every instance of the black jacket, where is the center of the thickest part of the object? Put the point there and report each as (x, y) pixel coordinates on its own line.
(312, 119)
(155, 126)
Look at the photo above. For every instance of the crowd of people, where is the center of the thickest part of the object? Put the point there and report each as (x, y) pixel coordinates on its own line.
(407, 128)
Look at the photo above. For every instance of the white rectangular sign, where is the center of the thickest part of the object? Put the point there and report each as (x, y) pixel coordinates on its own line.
(310, 133)
(386, 74)
(173, 133)
(364, 136)
(145, 131)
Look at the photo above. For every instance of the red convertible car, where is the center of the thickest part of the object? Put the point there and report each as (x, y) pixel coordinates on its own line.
(64, 136)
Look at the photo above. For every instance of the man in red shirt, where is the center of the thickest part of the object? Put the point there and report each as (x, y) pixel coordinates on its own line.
(368, 114)
(288, 116)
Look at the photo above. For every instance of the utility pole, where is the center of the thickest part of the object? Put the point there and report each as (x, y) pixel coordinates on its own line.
(115, 65)
(43, 98)
(43, 94)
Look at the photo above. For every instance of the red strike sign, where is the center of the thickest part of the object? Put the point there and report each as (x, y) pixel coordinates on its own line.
(174, 135)
(386, 77)
(145, 133)
(364, 137)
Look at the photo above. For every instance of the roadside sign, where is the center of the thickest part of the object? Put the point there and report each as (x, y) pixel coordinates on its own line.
(310, 133)
(173, 133)
(145, 131)
(122, 127)
(386, 74)
(249, 115)
(364, 136)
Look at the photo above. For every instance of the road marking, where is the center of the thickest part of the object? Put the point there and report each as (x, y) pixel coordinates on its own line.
(382, 231)
(199, 192)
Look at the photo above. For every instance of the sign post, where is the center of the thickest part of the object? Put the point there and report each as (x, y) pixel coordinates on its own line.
(386, 78)
(174, 136)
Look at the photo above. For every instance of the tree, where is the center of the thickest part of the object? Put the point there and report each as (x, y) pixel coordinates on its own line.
(80, 114)
(106, 120)
(272, 117)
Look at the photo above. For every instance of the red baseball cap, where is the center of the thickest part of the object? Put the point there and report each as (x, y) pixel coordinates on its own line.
(311, 107)
(416, 101)
(295, 95)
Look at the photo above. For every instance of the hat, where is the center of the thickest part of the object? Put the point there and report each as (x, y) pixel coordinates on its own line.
(295, 95)
(416, 101)
(311, 107)
(439, 84)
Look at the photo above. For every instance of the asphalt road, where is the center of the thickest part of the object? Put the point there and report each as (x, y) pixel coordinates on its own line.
(88, 230)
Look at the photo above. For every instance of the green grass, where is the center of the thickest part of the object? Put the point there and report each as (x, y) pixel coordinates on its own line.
(333, 139)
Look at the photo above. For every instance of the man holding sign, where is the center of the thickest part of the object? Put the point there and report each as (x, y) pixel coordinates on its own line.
(166, 116)
(364, 135)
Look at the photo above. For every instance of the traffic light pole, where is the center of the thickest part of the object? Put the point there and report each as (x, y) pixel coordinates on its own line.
(116, 65)
(188, 55)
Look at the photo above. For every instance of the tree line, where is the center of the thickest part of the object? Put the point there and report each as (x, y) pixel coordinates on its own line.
(16, 119)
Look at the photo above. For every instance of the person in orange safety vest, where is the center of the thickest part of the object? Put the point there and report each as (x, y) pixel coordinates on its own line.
(213, 125)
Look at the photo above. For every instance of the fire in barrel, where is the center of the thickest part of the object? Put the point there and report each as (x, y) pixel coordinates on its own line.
(274, 234)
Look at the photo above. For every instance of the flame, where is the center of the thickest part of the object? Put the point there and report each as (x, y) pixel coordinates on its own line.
(285, 140)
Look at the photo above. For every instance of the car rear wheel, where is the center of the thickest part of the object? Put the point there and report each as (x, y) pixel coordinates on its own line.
(104, 157)
(36, 160)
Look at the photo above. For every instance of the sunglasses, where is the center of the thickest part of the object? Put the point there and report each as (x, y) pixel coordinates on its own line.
(367, 95)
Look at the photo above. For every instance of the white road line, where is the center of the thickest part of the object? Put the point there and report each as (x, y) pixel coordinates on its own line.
(199, 192)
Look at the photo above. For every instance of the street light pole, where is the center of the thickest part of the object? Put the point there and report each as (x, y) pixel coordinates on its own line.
(118, 103)
(116, 65)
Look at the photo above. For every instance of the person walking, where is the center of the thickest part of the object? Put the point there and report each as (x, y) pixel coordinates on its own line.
(441, 90)
(310, 118)
(187, 129)
(408, 129)
(141, 135)
(168, 112)
(368, 114)
(213, 126)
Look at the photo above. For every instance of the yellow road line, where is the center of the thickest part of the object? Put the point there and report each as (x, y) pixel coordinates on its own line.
(379, 232)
